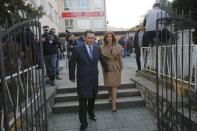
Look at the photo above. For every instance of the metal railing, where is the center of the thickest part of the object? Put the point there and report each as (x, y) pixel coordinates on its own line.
(148, 60)
(22, 87)
(174, 62)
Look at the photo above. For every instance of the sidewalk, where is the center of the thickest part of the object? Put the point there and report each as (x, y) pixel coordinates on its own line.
(131, 119)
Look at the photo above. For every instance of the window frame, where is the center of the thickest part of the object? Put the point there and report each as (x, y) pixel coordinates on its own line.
(69, 24)
(68, 5)
(82, 4)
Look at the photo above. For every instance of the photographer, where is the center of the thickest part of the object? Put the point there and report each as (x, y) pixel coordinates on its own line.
(50, 52)
(57, 43)
(46, 33)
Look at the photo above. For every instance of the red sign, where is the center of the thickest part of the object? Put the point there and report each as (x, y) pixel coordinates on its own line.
(82, 14)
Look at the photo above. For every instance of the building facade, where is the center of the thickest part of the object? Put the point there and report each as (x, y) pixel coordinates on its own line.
(81, 15)
(53, 10)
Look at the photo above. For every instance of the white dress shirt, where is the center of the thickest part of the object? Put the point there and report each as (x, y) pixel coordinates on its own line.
(88, 49)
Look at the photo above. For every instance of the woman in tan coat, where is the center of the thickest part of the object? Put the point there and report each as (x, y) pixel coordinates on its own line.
(112, 79)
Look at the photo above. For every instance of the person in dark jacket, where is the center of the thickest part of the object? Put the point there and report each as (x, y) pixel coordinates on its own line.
(122, 42)
(71, 44)
(50, 49)
(138, 43)
(80, 40)
(86, 57)
(58, 46)
(130, 44)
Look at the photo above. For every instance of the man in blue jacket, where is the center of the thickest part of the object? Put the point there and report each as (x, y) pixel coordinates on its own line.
(86, 57)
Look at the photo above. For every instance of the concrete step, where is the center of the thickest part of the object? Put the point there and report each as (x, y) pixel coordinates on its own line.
(101, 104)
(101, 87)
(62, 97)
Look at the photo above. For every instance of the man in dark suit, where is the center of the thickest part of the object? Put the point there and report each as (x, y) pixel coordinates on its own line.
(86, 57)
(138, 43)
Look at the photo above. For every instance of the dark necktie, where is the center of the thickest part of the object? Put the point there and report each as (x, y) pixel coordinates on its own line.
(90, 52)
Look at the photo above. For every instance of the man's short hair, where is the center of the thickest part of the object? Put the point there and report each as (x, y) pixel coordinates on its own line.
(45, 26)
(157, 5)
(52, 29)
(88, 31)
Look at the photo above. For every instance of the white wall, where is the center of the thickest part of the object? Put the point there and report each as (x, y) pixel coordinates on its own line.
(53, 15)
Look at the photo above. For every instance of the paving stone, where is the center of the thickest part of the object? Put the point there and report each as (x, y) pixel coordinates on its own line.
(141, 128)
(113, 129)
(72, 130)
(101, 126)
(152, 127)
(107, 122)
(128, 129)
(148, 122)
(103, 130)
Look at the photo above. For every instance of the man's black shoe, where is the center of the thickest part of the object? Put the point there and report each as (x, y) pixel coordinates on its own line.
(93, 117)
(83, 126)
(58, 78)
(138, 70)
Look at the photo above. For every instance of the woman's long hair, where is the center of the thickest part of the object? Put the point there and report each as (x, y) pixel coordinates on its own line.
(113, 38)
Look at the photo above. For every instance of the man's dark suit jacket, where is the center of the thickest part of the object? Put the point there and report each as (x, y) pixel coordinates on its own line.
(135, 41)
(87, 69)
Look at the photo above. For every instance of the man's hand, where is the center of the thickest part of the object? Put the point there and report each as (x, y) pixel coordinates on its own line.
(105, 70)
(43, 39)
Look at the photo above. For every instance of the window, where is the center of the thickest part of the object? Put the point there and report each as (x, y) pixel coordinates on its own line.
(47, 9)
(99, 4)
(59, 22)
(82, 4)
(67, 4)
(69, 24)
(99, 23)
(56, 18)
(33, 1)
(38, 2)
(44, 5)
(51, 12)
(83, 24)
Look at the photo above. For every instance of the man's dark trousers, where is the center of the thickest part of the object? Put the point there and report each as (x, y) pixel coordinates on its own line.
(138, 54)
(86, 105)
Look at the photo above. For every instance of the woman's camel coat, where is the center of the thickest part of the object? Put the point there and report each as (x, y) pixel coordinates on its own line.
(112, 78)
